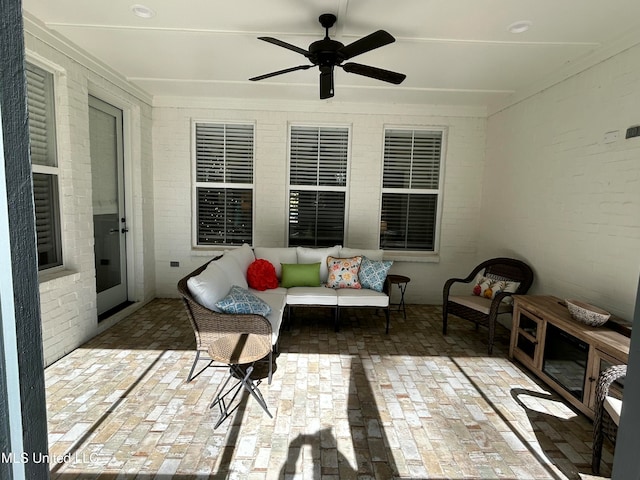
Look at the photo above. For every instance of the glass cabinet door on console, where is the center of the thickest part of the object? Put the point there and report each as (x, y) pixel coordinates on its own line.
(526, 344)
(565, 360)
(601, 361)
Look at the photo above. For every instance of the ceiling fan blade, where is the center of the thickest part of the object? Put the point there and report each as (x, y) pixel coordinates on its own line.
(280, 43)
(365, 44)
(326, 82)
(280, 72)
(374, 72)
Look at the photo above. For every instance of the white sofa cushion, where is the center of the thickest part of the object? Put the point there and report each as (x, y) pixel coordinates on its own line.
(313, 255)
(312, 296)
(232, 269)
(210, 286)
(277, 302)
(243, 255)
(277, 256)
(370, 254)
(349, 297)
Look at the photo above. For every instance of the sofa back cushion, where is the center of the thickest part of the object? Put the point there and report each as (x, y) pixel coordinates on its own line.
(210, 286)
(229, 265)
(243, 255)
(313, 255)
(277, 256)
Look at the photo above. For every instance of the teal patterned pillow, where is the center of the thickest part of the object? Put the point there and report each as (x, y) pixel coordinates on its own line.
(373, 273)
(241, 300)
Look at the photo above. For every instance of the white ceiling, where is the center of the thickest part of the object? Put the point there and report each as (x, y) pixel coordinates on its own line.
(454, 52)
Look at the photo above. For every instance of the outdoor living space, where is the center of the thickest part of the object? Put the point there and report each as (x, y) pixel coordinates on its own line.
(412, 404)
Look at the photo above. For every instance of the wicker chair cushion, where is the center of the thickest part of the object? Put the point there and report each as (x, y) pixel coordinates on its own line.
(613, 406)
(479, 304)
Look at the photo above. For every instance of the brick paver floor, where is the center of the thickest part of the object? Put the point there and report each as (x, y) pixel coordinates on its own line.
(357, 404)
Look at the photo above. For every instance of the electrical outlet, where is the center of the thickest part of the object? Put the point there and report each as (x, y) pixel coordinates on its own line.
(174, 264)
(611, 137)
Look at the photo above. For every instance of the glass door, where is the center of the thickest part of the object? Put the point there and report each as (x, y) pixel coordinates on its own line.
(109, 222)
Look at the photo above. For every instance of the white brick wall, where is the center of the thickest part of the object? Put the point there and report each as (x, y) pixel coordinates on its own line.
(68, 298)
(556, 195)
(172, 175)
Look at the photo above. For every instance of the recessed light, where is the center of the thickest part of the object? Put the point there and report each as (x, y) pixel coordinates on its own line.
(520, 26)
(142, 11)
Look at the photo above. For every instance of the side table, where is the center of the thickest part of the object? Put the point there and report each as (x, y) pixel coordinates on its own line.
(401, 281)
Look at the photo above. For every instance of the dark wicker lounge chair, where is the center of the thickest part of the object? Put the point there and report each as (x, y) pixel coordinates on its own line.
(482, 311)
(605, 424)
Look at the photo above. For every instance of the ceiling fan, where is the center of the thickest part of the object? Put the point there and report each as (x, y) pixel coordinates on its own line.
(327, 54)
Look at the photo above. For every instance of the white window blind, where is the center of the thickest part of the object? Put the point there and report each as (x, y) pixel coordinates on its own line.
(317, 185)
(42, 138)
(411, 189)
(224, 183)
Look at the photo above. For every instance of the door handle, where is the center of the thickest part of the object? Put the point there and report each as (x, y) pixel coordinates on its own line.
(112, 231)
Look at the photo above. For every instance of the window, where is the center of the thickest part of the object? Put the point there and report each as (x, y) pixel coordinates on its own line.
(224, 183)
(411, 189)
(317, 185)
(44, 162)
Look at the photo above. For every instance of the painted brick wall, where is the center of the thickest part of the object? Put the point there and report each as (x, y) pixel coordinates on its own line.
(556, 194)
(68, 297)
(173, 193)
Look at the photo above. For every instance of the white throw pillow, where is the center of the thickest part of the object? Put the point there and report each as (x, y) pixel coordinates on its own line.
(313, 255)
(210, 286)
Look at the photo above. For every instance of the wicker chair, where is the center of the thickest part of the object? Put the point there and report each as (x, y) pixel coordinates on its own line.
(210, 327)
(607, 412)
(483, 311)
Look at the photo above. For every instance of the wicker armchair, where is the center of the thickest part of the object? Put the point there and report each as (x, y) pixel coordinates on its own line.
(607, 412)
(483, 311)
(211, 327)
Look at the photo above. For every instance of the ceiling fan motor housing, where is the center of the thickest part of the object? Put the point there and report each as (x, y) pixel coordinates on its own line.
(325, 52)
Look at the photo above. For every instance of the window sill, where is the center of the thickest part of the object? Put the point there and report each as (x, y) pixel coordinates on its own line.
(54, 274)
(416, 257)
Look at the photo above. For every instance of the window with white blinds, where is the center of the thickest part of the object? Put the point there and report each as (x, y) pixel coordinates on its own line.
(317, 185)
(224, 183)
(42, 138)
(411, 189)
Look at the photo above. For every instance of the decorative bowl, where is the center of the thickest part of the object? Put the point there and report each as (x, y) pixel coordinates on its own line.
(587, 314)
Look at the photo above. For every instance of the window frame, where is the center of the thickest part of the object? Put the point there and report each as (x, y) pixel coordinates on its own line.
(318, 188)
(52, 170)
(439, 191)
(222, 185)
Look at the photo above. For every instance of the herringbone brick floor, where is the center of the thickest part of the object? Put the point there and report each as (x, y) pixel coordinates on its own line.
(357, 404)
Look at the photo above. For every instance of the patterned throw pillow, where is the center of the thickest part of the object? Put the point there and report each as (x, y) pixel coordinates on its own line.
(241, 300)
(343, 272)
(373, 273)
(489, 287)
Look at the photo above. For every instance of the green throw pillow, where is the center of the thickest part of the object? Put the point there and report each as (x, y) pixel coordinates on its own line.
(300, 275)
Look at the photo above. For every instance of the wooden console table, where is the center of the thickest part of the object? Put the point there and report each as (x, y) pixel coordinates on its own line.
(566, 354)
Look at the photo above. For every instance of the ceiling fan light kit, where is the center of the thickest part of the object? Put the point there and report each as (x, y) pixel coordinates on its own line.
(327, 54)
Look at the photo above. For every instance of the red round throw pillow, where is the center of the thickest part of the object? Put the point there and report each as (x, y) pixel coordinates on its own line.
(261, 275)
